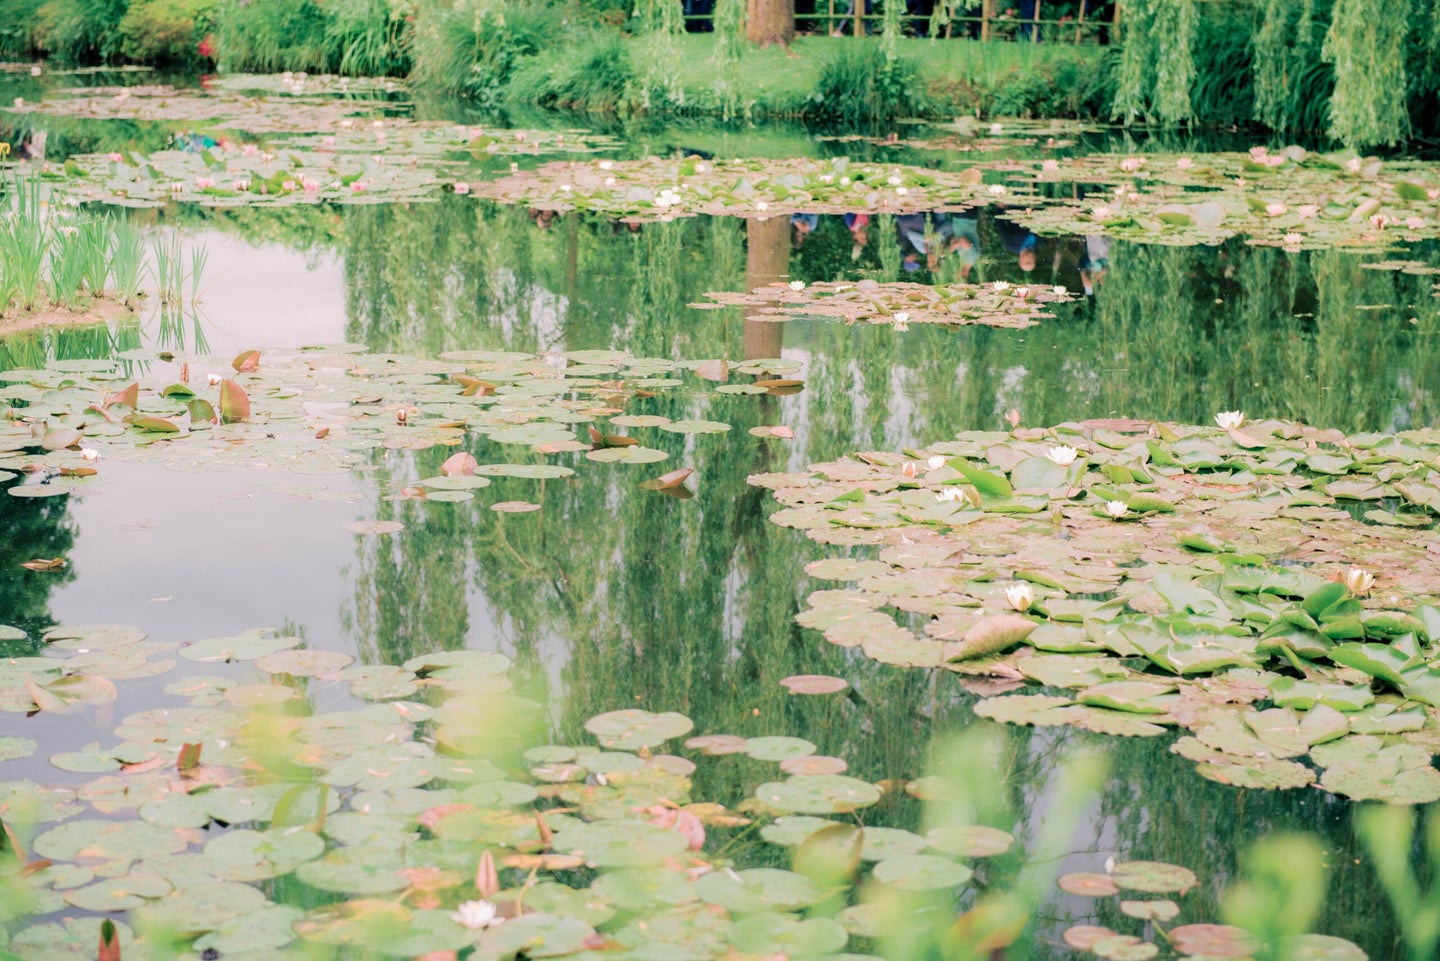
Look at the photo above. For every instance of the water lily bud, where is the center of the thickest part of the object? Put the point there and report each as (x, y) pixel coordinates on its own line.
(213, 380)
(1117, 508)
(487, 880)
(909, 469)
(91, 455)
(1061, 454)
(1019, 596)
(1359, 580)
(1230, 419)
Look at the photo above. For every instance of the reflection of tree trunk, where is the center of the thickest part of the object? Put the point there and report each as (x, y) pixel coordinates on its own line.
(767, 260)
(770, 21)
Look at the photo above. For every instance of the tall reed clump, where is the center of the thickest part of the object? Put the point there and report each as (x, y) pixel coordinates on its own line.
(268, 36)
(80, 31)
(597, 77)
(865, 84)
(1292, 83)
(1221, 94)
(473, 48)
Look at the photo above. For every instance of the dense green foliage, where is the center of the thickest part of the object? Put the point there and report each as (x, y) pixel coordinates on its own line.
(1365, 72)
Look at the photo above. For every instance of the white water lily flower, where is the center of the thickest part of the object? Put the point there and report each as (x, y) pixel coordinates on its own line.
(1049, 166)
(89, 454)
(996, 190)
(1132, 164)
(1019, 596)
(1062, 454)
(951, 493)
(1293, 239)
(1058, 291)
(213, 380)
(1359, 580)
(995, 129)
(1275, 209)
(1184, 163)
(1100, 213)
(1230, 419)
(606, 164)
(476, 915)
(1000, 285)
(797, 285)
(1117, 508)
(893, 181)
(936, 462)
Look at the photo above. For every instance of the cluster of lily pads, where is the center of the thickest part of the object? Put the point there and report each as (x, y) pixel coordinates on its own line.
(1292, 198)
(899, 304)
(379, 161)
(1269, 588)
(324, 411)
(655, 188)
(418, 817)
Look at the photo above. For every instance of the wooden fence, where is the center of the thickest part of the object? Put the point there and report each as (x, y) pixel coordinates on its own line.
(994, 21)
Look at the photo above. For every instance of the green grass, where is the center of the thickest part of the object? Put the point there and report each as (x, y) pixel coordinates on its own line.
(955, 73)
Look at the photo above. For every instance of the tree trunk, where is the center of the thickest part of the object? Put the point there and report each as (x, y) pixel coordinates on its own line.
(770, 21)
(767, 260)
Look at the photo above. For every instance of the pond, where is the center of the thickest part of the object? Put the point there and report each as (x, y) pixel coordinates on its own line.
(465, 530)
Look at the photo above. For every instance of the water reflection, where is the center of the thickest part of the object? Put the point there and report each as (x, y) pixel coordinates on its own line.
(611, 596)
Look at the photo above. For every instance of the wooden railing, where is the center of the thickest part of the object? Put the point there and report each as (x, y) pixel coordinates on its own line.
(839, 19)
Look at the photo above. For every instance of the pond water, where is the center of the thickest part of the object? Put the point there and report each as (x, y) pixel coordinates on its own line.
(610, 597)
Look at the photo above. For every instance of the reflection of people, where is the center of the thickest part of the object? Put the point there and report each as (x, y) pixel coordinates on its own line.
(960, 234)
(1094, 263)
(1029, 30)
(698, 9)
(801, 226)
(1019, 241)
(910, 235)
(859, 227)
(542, 218)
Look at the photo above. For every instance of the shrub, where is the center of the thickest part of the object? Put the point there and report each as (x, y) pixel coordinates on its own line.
(462, 49)
(80, 31)
(373, 36)
(267, 36)
(17, 25)
(165, 31)
(597, 77)
(864, 85)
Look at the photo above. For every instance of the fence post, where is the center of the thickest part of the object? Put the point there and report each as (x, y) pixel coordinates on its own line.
(1080, 21)
(987, 10)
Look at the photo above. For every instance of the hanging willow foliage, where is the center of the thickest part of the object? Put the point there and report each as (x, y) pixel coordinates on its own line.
(1366, 45)
(662, 23)
(1292, 82)
(1157, 61)
(729, 44)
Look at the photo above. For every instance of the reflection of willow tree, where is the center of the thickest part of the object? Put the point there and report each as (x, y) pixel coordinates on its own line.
(636, 599)
(1160, 809)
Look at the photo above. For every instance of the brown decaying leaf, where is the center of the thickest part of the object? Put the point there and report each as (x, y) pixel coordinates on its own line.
(45, 564)
(716, 370)
(673, 479)
(246, 362)
(129, 396)
(234, 402)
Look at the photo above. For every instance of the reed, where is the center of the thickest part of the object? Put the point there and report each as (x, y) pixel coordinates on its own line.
(127, 261)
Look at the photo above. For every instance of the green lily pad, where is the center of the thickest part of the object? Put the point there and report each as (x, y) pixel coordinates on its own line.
(1153, 877)
(757, 889)
(771, 933)
(818, 794)
(632, 729)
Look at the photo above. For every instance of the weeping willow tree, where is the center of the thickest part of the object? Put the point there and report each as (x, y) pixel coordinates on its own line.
(661, 23)
(729, 45)
(1366, 44)
(1157, 62)
(1292, 81)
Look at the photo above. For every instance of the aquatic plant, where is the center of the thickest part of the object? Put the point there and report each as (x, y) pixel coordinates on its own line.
(1218, 608)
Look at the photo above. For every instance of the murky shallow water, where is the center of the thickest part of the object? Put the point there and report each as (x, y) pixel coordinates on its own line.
(611, 597)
